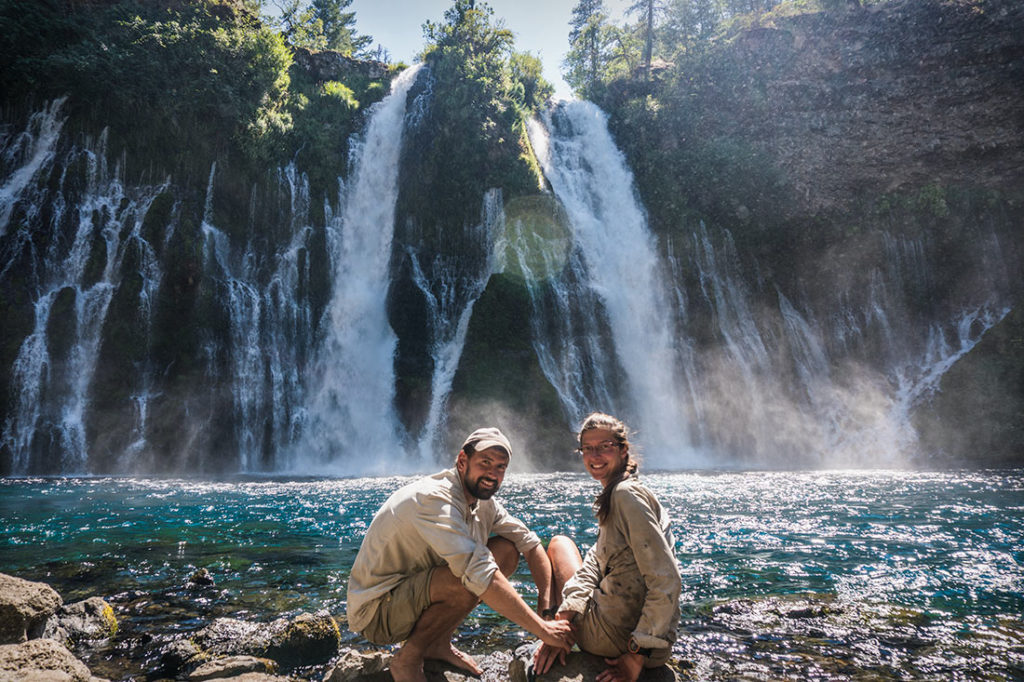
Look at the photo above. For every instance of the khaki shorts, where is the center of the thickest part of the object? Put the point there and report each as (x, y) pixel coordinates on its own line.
(596, 636)
(400, 609)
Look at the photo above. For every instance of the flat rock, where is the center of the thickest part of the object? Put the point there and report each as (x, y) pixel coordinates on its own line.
(231, 667)
(25, 606)
(579, 667)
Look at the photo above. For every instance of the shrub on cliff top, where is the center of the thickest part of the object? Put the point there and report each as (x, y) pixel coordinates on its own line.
(482, 92)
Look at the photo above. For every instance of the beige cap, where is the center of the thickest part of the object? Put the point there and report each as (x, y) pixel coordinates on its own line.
(488, 437)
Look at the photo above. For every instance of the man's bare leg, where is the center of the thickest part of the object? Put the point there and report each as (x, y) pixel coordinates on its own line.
(507, 557)
(450, 603)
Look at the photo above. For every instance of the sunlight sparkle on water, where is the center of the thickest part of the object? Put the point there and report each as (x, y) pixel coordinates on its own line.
(794, 573)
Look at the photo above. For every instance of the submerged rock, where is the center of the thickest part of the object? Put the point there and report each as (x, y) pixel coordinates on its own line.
(25, 606)
(201, 577)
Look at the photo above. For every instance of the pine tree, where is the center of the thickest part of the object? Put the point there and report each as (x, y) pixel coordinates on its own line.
(339, 26)
(322, 25)
(648, 10)
(588, 43)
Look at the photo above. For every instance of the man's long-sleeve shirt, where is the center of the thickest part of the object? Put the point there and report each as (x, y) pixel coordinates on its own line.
(425, 524)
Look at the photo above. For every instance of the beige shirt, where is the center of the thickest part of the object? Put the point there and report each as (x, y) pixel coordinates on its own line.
(425, 524)
(631, 572)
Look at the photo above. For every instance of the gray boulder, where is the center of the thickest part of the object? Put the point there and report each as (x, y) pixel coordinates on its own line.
(41, 660)
(92, 618)
(372, 666)
(179, 657)
(25, 607)
(359, 665)
(308, 639)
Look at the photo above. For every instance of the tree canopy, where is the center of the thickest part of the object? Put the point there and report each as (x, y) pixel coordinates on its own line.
(322, 25)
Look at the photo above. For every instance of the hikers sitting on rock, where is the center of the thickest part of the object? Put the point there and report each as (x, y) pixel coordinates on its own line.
(623, 599)
(428, 559)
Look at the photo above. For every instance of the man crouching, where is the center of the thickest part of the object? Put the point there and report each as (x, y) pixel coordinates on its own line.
(428, 559)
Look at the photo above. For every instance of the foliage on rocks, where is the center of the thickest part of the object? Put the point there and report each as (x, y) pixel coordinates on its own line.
(472, 136)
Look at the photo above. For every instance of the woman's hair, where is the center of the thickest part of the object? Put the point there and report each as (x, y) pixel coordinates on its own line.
(598, 420)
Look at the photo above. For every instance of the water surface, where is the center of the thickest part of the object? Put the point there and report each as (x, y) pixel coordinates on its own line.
(807, 575)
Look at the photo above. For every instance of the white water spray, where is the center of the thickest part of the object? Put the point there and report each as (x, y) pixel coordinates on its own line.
(590, 177)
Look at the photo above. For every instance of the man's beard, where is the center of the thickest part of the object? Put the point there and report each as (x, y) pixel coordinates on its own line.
(476, 491)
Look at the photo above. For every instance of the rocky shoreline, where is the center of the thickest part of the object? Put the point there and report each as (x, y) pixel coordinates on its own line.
(39, 635)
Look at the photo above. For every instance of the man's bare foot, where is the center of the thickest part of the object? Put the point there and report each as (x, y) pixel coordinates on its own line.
(407, 667)
(446, 651)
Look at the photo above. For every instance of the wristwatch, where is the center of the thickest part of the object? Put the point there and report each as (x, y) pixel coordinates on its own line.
(635, 648)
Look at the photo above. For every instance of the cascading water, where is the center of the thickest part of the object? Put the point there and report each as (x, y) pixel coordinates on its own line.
(73, 283)
(781, 388)
(26, 153)
(244, 307)
(700, 348)
(609, 228)
(351, 423)
(450, 297)
(568, 324)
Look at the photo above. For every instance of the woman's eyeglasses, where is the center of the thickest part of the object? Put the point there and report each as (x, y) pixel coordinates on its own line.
(602, 448)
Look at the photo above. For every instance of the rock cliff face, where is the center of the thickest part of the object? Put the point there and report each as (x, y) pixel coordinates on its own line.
(846, 159)
(891, 97)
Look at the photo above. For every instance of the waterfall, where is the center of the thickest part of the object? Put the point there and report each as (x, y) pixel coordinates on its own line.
(450, 297)
(567, 322)
(27, 152)
(622, 267)
(350, 416)
(73, 281)
(244, 308)
(780, 387)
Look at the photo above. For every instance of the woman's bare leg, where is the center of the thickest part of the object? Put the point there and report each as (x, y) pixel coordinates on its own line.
(565, 561)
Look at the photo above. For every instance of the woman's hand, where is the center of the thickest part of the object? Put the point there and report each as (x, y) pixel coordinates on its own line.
(546, 654)
(625, 668)
(545, 658)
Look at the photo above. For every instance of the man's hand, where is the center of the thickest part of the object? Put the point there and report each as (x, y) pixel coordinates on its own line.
(625, 668)
(557, 634)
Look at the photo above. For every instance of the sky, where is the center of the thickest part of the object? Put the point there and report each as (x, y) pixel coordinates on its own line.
(541, 27)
